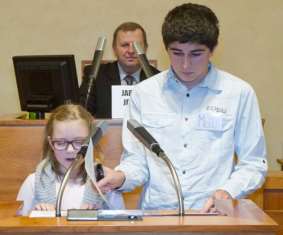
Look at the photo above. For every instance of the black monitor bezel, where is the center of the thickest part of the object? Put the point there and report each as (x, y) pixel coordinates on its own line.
(72, 92)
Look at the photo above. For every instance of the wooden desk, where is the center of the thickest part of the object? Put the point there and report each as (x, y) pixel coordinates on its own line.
(244, 217)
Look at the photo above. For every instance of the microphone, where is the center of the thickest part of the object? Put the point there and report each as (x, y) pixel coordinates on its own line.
(97, 133)
(143, 136)
(97, 57)
(143, 59)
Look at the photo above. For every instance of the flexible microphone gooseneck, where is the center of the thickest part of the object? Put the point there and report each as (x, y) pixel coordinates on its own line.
(143, 60)
(149, 142)
(96, 61)
(96, 135)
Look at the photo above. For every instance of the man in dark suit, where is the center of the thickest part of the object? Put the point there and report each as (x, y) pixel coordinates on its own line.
(124, 71)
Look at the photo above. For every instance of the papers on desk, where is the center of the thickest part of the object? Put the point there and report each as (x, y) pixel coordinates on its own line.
(45, 214)
(84, 214)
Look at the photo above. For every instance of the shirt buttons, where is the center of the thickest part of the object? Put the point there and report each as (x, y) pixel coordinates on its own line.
(186, 119)
(185, 145)
(188, 94)
(184, 172)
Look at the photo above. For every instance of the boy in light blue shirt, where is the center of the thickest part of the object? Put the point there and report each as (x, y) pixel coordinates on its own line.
(200, 116)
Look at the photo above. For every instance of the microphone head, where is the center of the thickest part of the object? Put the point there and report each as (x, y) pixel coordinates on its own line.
(83, 150)
(138, 48)
(132, 124)
(102, 125)
(101, 44)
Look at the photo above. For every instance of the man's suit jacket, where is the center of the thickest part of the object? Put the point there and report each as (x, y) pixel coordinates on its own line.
(99, 103)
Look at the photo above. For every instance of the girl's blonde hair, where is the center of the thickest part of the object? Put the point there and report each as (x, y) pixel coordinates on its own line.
(68, 112)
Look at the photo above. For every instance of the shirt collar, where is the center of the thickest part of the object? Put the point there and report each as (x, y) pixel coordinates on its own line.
(210, 81)
(123, 74)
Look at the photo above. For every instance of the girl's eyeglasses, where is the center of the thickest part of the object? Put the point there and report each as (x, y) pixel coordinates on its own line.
(63, 144)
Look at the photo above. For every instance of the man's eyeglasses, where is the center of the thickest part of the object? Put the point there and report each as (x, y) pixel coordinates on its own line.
(62, 144)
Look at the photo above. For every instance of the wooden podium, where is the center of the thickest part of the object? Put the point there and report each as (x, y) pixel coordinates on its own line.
(20, 152)
(243, 217)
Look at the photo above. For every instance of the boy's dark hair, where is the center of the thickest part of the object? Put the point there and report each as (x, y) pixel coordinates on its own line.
(191, 23)
(129, 26)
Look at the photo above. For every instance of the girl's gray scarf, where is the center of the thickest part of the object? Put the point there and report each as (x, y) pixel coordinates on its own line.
(45, 187)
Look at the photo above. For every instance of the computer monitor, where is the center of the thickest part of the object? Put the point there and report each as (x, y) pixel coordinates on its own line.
(46, 81)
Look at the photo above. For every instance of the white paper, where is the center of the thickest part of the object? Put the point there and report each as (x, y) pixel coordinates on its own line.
(45, 214)
(89, 167)
(120, 100)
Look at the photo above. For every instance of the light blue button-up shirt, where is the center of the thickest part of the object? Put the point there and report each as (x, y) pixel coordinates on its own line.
(200, 130)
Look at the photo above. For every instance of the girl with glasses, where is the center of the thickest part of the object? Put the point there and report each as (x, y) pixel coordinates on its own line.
(67, 129)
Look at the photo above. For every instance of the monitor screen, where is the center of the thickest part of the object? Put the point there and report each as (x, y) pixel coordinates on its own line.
(46, 81)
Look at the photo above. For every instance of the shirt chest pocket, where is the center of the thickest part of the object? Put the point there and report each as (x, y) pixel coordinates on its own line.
(158, 120)
(213, 122)
(159, 125)
(214, 129)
